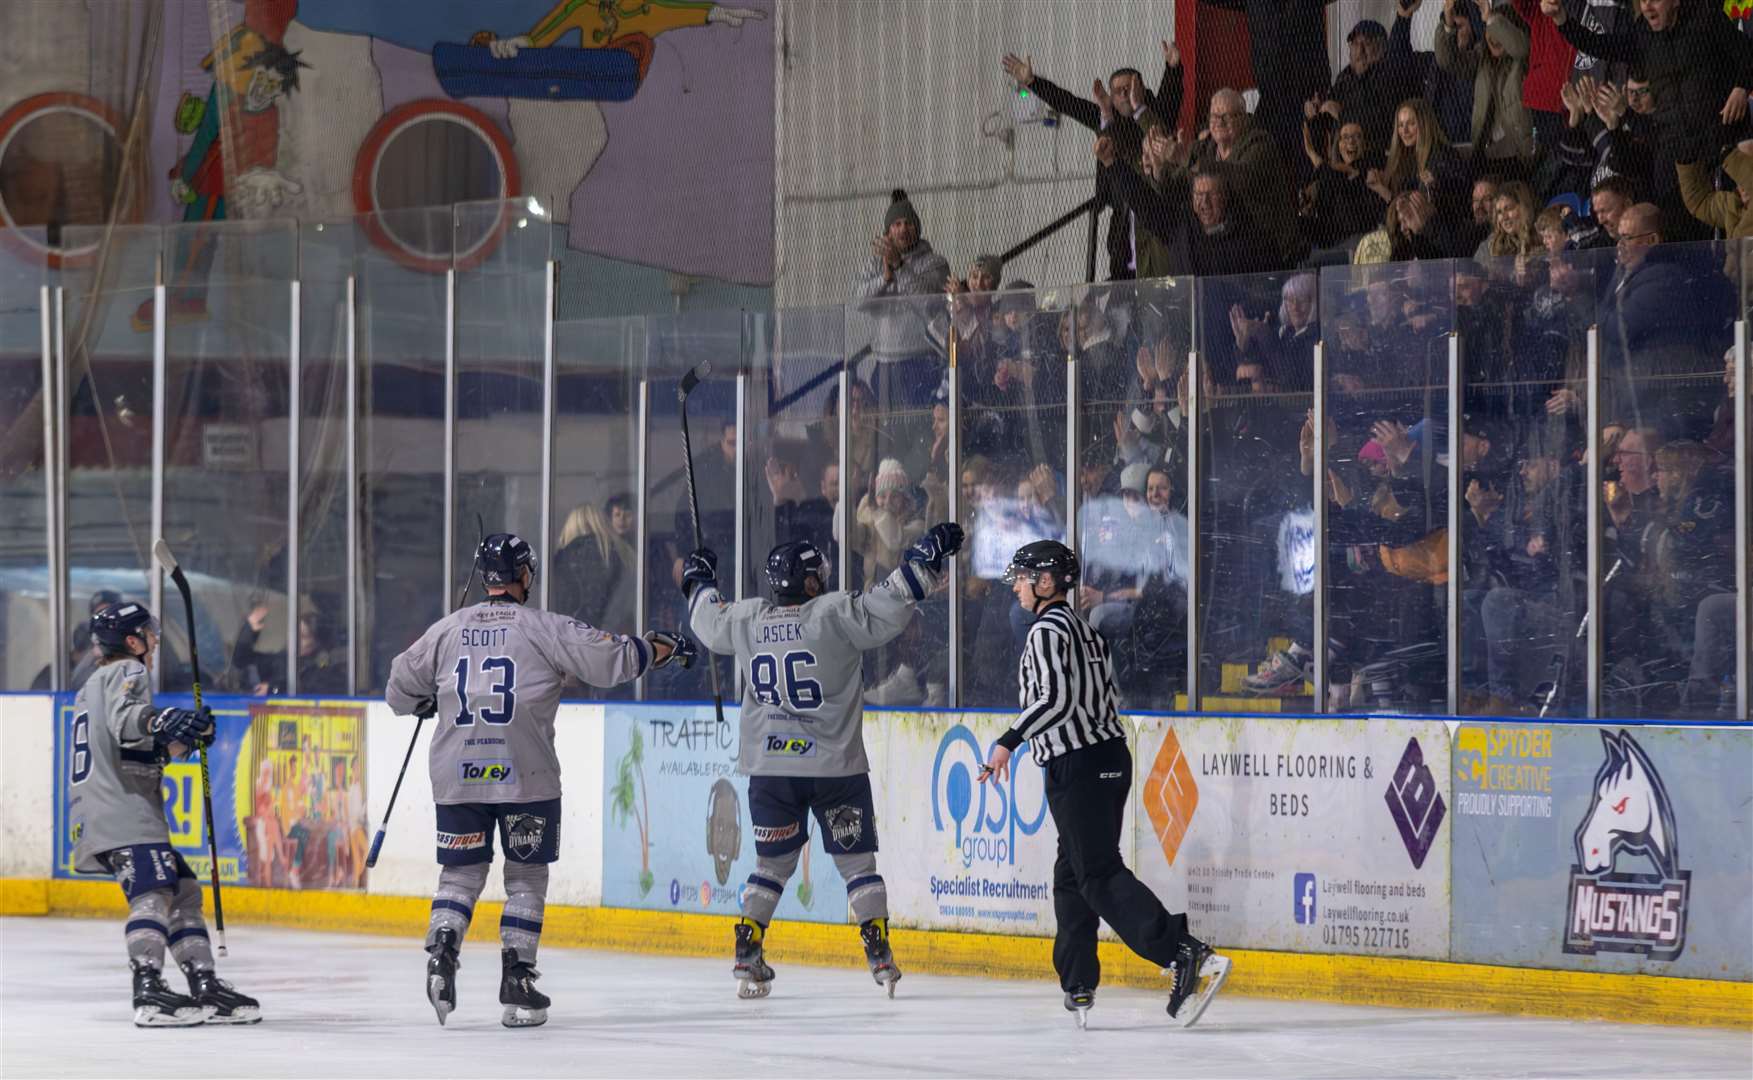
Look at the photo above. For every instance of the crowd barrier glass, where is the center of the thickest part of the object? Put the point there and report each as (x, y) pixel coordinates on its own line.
(1012, 370)
(676, 345)
(27, 643)
(1255, 338)
(1456, 568)
(592, 560)
(1667, 318)
(1131, 452)
(107, 306)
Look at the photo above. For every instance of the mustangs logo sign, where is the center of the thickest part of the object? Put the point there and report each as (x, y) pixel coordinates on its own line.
(1631, 815)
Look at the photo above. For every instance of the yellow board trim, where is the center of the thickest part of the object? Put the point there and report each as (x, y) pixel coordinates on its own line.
(1353, 980)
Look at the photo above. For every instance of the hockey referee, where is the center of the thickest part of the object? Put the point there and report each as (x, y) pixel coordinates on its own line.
(1069, 710)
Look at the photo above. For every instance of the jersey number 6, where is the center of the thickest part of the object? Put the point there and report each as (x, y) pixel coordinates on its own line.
(505, 688)
(802, 694)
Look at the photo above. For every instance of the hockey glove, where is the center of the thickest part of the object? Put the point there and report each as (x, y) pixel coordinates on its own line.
(426, 708)
(680, 646)
(938, 544)
(699, 568)
(193, 728)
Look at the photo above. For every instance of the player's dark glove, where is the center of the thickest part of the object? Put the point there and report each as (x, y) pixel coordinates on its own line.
(938, 544)
(191, 727)
(680, 646)
(426, 708)
(699, 568)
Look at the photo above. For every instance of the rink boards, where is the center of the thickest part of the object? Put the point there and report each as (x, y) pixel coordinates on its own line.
(1598, 870)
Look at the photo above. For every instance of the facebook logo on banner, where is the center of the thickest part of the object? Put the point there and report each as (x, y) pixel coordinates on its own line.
(1303, 898)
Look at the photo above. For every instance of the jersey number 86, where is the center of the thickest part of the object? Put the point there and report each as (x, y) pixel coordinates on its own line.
(800, 693)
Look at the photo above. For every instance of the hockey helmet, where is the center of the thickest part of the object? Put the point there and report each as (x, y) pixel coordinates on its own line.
(501, 559)
(1044, 555)
(113, 626)
(789, 564)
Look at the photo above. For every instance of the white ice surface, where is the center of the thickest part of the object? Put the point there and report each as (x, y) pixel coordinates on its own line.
(341, 1006)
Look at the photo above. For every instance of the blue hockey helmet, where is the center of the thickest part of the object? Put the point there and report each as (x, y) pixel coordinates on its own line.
(501, 559)
(114, 625)
(789, 564)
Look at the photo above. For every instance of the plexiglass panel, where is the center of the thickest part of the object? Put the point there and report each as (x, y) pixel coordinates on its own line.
(27, 648)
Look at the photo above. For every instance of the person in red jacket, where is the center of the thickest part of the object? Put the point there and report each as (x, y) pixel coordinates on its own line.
(1550, 58)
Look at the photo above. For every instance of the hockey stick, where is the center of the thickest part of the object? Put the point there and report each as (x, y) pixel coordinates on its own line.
(384, 826)
(689, 382)
(161, 553)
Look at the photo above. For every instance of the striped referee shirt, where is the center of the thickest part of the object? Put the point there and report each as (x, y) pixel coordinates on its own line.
(1068, 698)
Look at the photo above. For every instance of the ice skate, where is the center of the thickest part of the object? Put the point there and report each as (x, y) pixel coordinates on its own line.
(754, 977)
(441, 974)
(1078, 1000)
(223, 1003)
(157, 1005)
(525, 1006)
(875, 933)
(1198, 974)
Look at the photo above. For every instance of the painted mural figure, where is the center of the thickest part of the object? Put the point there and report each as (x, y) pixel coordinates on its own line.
(231, 159)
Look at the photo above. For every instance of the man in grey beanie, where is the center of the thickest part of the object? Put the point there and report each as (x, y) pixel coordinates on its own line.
(907, 368)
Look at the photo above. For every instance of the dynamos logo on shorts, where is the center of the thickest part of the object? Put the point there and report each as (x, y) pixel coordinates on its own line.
(497, 771)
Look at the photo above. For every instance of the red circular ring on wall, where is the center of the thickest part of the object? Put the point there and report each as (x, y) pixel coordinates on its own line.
(370, 157)
(15, 120)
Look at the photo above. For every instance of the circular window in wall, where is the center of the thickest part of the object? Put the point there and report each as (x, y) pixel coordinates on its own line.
(428, 154)
(60, 163)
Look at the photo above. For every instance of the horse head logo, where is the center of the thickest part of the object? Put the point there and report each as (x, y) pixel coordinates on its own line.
(1630, 811)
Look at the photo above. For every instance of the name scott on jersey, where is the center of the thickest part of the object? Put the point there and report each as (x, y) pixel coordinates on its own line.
(475, 637)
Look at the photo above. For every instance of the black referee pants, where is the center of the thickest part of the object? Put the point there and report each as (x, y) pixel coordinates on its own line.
(1086, 794)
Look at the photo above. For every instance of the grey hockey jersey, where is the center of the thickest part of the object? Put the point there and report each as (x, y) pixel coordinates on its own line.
(803, 670)
(496, 670)
(114, 772)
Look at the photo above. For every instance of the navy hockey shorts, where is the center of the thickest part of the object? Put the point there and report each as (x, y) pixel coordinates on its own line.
(529, 832)
(141, 868)
(779, 809)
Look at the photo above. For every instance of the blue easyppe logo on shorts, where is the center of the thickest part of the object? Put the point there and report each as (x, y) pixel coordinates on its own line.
(1302, 898)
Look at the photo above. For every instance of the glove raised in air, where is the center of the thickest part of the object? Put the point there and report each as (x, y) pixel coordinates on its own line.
(939, 543)
(699, 568)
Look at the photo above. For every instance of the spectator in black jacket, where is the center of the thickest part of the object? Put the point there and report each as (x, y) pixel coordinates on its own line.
(1205, 232)
(1338, 204)
(1699, 68)
(1373, 84)
(1121, 110)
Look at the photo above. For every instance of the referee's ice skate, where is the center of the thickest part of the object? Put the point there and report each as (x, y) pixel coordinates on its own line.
(1198, 975)
(1078, 1001)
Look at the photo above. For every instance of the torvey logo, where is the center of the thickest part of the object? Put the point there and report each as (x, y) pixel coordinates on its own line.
(1302, 891)
(791, 746)
(1630, 812)
(497, 771)
(1416, 803)
(985, 830)
(1170, 796)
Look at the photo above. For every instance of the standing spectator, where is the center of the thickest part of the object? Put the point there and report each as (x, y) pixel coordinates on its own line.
(1501, 132)
(1450, 95)
(1121, 110)
(1421, 159)
(1725, 210)
(1256, 170)
(1548, 65)
(901, 263)
(1372, 85)
(1205, 234)
(1608, 131)
(1699, 68)
(594, 569)
(1287, 42)
(1340, 207)
(259, 673)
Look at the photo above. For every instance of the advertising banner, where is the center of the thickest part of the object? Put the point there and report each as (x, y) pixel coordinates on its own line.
(1604, 849)
(676, 829)
(288, 793)
(958, 854)
(1300, 835)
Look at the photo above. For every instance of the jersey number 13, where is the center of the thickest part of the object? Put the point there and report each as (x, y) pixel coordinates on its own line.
(504, 687)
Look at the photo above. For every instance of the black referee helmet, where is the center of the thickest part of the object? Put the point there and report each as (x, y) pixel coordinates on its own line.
(1044, 555)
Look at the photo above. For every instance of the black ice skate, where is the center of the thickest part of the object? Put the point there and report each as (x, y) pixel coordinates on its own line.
(754, 978)
(875, 933)
(1078, 1000)
(157, 1005)
(525, 1006)
(223, 1003)
(441, 973)
(1198, 974)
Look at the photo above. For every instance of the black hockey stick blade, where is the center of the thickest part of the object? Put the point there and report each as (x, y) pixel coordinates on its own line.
(692, 379)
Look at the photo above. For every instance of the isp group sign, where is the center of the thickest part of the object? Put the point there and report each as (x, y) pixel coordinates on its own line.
(1301, 835)
(1626, 849)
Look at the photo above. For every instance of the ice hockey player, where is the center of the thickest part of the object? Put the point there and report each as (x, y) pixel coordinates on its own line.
(1070, 713)
(492, 673)
(801, 656)
(120, 746)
